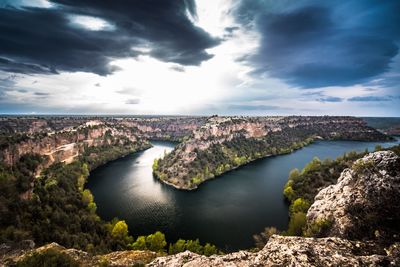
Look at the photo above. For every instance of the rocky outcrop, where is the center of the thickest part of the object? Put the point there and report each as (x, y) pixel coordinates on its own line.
(225, 143)
(292, 251)
(365, 202)
(10, 256)
(279, 251)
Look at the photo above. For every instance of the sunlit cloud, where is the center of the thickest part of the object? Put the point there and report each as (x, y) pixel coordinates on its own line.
(90, 23)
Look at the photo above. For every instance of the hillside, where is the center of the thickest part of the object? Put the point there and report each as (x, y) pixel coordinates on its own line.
(224, 143)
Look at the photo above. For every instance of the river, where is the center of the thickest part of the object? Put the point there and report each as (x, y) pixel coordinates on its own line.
(225, 211)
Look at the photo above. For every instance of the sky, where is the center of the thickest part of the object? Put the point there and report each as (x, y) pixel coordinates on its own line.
(203, 57)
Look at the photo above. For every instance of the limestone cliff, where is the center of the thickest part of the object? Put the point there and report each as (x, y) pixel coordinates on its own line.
(365, 202)
(66, 145)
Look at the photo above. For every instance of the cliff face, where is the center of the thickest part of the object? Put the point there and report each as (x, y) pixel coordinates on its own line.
(365, 202)
(65, 146)
(164, 128)
(224, 143)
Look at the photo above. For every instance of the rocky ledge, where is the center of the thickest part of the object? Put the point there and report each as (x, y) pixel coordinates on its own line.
(293, 251)
(365, 202)
(9, 255)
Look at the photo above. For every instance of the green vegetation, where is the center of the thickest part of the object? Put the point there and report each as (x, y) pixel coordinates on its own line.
(193, 246)
(155, 165)
(95, 156)
(48, 258)
(58, 209)
(156, 242)
(296, 224)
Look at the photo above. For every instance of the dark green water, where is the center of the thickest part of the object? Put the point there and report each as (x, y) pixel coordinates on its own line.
(225, 211)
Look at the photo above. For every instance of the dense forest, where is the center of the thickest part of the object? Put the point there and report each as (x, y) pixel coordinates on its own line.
(55, 207)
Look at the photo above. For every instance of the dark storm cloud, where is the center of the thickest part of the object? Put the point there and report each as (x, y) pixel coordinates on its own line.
(40, 40)
(323, 43)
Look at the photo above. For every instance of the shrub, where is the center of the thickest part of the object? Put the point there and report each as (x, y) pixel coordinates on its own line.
(299, 205)
(48, 258)
(296, 224)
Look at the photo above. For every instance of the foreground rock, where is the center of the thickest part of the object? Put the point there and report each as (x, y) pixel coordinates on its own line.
(9, 257)
(293, 251)
(279, 251)
(365, 202)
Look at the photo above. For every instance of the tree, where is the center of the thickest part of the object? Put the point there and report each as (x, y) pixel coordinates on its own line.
(312, 165)
(296, 224)
(194, 246)
(140, 243)
(294, 174)
(155, 165)
(87, 197)
(299, 205)
(120, 233)
(156, 242)
(210, 249)
(288, 192)
(178, 246)
(92, 207)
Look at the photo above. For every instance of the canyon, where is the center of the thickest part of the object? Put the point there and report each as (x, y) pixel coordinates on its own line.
(375, 176)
